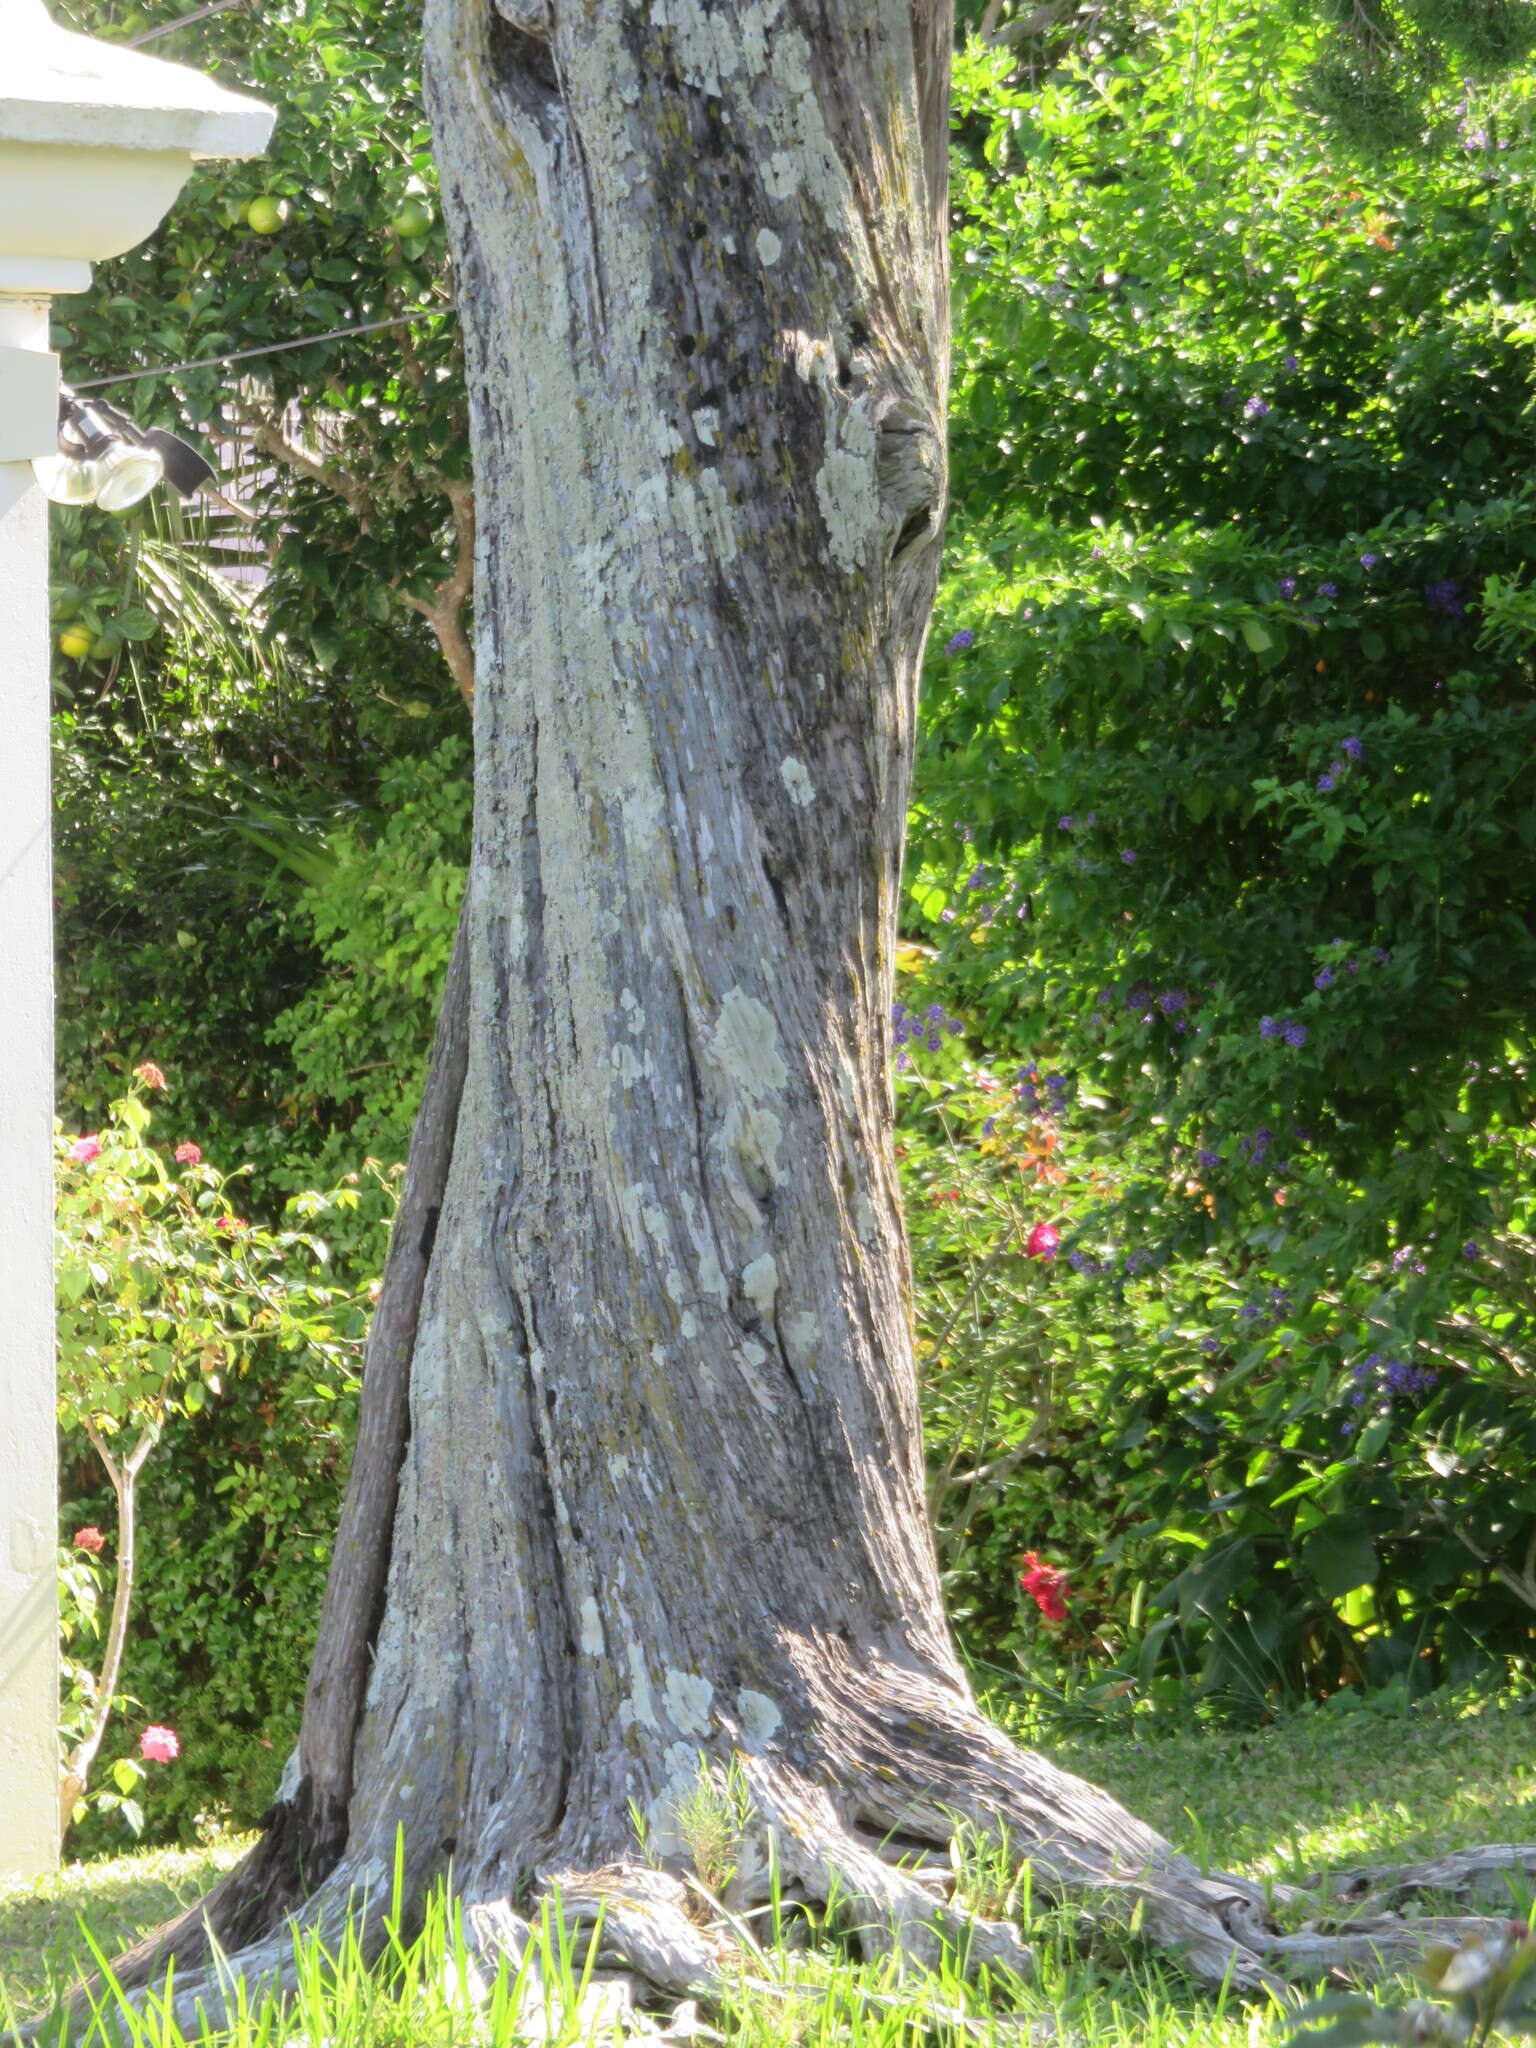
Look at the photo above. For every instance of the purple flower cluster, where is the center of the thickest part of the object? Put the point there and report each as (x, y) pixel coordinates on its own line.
(1265, 1314)
(926, 1027)
(1388, 1379)
(1294, 1034)
(1445, 598)
(958, 642)
(1207, 1158)
(1350, 750)
(1255, 409)
(1058, 1092)
(1327, 590)
(1369, 561)
(976, 879)
(1287, 586)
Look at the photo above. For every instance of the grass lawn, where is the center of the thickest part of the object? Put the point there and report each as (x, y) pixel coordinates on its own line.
(1317, 1790)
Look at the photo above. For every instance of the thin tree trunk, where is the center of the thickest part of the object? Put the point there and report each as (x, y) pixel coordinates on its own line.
(125, 1481)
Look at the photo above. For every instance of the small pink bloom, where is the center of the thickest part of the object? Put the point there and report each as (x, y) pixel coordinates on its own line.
(189, 1155)
(231, 1224)
(159, 1745)
(85, 1149)
(1043, 1242)
(90, 1539)
(149, 1074)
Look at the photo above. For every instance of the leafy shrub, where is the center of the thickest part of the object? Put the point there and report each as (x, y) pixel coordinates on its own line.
(167, 1301)
(1224, 812)
(1262, 1491)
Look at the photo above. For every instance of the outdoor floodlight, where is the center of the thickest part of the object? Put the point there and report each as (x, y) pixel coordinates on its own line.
(105, 460)
(185, 470)
(68, 478)
(124, 474)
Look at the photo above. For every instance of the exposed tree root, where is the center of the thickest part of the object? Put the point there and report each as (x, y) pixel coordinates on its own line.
(879, 1867)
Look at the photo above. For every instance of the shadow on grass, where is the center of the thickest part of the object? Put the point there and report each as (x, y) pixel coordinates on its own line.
(120, 1898)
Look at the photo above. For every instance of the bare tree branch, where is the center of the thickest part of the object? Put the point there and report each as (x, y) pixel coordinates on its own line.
(268, 438)
(445, 610)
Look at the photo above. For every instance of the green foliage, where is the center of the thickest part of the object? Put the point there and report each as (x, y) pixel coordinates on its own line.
(169, 1303)
(221, 732)
(361, 523)
(1260, 1492)
(1485, 1985)
(381, 918)
(1223, 815)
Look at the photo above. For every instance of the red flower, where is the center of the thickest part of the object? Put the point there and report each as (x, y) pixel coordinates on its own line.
(149, 1074)
(1043, 1242)
(231, 1223)
(189, 1155)
(85, 1149)
(1048, 1588)
(90, 1539)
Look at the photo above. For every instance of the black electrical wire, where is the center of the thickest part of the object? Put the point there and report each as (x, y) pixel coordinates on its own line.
(183, 21)
(271, 348)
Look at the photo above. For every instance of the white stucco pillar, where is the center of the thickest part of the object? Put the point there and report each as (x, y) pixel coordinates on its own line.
(95, 144)
(28, 1487)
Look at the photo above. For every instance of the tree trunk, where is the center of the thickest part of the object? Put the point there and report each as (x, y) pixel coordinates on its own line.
(661, 1496)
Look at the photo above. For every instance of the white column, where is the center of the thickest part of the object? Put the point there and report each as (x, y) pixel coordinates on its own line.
(95, 143)
(29, 1681)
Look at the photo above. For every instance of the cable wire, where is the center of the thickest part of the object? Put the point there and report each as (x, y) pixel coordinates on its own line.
(182, 21)
(271, 348)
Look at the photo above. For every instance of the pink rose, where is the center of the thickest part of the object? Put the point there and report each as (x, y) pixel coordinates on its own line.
(90, 1539)
(85, 1149)
(159, 1745)
(149, 1074)
(1043, 1241)
(189, 1155)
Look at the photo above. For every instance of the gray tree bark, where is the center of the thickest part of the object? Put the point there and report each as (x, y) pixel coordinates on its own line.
(639, 1480)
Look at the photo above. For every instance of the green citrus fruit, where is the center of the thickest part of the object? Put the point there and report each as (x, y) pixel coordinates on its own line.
(76, 643)
(412, 221)
(103, 649)
(264, 216)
